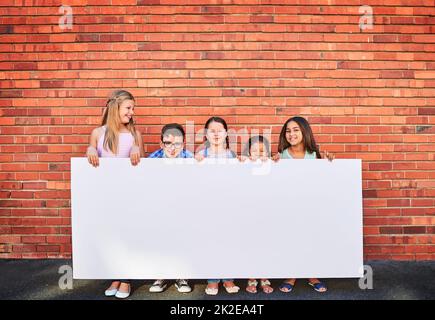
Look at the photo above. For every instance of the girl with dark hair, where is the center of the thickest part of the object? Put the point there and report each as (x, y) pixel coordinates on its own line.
(217, 145)
(257, 148)
(296, 141)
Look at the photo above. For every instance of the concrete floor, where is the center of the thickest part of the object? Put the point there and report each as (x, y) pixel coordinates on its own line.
(38, 280)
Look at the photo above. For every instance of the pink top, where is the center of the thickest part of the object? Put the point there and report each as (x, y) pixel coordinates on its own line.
(126, 142)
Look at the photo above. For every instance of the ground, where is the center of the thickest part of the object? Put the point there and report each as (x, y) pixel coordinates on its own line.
(39, 279)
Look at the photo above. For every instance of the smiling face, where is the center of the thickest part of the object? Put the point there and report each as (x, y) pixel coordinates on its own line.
(293, 134)
(258, 150)
(126, 111)
(216, 134)
(172, 145)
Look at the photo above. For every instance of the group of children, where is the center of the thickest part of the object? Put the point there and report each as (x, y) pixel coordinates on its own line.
(117, 137)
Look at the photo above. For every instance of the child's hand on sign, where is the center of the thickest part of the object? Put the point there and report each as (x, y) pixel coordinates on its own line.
(242, 158)
(329, 156)
(92, 155)
(276, 157)
(199, 157)
(135, 155)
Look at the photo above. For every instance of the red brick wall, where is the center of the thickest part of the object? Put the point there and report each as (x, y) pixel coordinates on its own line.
(368, 93)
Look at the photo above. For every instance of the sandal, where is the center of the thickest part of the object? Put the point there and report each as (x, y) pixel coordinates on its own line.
(252, 286)
(232, 289)
(211, 291)
(266, 286)
(318, 286)
(286, 285)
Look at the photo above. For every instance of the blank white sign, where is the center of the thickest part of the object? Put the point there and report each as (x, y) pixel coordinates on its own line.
(180, 219)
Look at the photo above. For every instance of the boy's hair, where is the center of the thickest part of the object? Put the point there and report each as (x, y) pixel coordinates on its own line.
(308, 140)
(173, 129)
(256, 139)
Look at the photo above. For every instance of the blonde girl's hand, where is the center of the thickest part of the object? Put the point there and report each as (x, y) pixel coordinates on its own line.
(92, 155)
(276, 157)
(329, 156)
(264, 158)
(135, 155)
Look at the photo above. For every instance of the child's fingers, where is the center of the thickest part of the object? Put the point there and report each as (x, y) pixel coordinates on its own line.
(96, 161)
(276, 157)
(134, 158)
(328, 155)
(92, 156)
(91, 160)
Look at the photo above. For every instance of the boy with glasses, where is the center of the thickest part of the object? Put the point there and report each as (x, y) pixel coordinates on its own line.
(171, 146)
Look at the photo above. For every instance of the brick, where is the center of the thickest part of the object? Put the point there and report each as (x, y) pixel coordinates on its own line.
(368, 93)
(414, 230)
(33, 239)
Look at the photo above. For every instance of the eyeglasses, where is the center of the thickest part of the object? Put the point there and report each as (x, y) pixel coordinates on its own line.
(170, 145)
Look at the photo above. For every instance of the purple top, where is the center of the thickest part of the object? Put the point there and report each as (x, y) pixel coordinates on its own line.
(126, 142)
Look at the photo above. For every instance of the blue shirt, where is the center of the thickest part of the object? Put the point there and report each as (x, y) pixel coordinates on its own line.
(161, 154)
(226, 154)
(286, 155)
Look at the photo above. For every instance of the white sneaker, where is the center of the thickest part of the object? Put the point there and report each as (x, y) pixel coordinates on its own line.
(182, 286)
(158, 286)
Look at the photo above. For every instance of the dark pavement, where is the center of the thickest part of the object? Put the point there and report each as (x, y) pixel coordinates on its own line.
(39, 280)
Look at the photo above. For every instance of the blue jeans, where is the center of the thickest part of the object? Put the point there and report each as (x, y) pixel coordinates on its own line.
(218, 280)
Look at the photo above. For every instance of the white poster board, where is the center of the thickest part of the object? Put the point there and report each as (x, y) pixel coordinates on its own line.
(180, 219)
